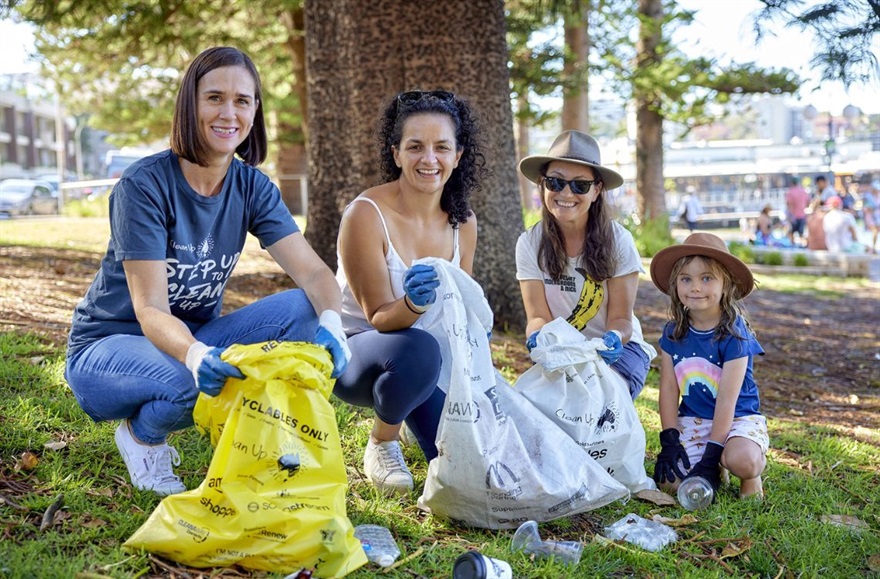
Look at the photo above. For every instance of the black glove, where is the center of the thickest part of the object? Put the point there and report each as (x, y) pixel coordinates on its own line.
(671, 453)
(708, 465)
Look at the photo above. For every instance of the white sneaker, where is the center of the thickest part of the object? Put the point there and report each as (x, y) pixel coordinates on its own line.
(386, 469)
(150, 467)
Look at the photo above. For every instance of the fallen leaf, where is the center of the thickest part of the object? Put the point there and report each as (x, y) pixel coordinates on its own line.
(656, 497)
(874, 563)
(27, 461)
(94, 523)
(735, 549)
(853, 523)
(56, 445)
(681, 522)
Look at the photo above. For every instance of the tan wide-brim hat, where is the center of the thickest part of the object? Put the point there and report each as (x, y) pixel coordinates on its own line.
(705, 245)
(573, 147)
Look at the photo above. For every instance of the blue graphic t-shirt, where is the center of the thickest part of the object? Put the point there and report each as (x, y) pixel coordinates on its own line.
(156, 215)
(697, 360)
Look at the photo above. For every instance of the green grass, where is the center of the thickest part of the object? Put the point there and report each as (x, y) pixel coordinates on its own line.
(812, 472)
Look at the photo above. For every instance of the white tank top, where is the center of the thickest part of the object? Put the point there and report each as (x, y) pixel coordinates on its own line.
(354, 321)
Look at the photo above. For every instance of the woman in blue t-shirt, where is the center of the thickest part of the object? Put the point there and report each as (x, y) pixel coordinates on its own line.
(706, 360)
(148, 336)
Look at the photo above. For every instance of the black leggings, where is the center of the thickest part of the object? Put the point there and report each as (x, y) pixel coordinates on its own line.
(395, 374)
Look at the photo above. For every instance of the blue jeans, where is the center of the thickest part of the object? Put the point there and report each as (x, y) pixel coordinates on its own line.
(126, 376)
(395, 374)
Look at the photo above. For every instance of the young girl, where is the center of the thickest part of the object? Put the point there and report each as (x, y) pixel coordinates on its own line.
(707, 353)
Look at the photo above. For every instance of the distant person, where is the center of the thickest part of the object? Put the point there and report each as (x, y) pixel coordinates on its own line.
(149, 334)
(579, 264)
(850, 200)
(796, 202)
(690, 208)
(709, 406)
(431, 162)
(764, 227)
(839, 227)
(870, 193)
(815, 226)
(823, 189)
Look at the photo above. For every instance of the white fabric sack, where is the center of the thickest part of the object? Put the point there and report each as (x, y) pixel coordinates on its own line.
(501, 462)
(573, 386)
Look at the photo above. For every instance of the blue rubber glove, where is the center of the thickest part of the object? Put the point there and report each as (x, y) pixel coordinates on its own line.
(331, 336)
(615, 347)
(672, 452)
(208, 370)
(420, 284)
(708, 465)
(532, 340)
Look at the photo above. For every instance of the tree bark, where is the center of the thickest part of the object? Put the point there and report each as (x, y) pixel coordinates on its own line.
(360, 54)
(523, 141)
(649, 122)
(576, 99)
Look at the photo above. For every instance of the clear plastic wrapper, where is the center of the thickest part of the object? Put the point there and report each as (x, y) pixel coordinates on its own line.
(649, 535)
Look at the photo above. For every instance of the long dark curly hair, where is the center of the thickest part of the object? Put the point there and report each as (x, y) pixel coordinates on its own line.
(466, 178)
(598, 254)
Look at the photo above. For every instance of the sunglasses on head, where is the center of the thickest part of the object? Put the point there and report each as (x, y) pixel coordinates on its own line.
(412, 97)
(577, 186)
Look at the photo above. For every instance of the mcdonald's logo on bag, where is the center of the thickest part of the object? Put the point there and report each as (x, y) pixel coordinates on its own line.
(496, 473)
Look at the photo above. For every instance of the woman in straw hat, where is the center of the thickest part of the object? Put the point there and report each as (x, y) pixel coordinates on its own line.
(706, 361)
(579, 264)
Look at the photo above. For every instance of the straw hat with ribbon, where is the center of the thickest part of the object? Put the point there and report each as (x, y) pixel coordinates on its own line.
(705, 245)
(572, 147)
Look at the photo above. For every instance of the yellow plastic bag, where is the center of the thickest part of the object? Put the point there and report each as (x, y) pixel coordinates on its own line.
(274, 495)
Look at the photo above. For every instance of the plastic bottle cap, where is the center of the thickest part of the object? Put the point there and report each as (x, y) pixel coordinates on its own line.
(385, 560)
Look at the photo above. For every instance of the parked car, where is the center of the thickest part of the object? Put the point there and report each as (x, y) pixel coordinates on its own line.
(27, 197)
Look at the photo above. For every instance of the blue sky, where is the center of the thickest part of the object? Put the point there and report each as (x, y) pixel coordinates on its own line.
(722, 29)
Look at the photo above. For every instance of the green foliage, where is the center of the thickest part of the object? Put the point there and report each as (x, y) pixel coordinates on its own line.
(122, 60)
(650, 236)
(531, 216)
(743, 251)
(773, 258)
(800, 260)
(844, 34)
(88, 207)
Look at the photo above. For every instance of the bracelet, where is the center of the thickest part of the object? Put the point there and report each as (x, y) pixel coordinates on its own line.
(412, 307)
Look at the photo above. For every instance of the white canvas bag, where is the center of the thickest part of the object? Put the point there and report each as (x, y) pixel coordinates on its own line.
(501, 462)
(573, 386)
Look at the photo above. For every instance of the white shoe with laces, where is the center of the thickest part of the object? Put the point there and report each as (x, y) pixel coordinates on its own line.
(150, 467)
(386, 469)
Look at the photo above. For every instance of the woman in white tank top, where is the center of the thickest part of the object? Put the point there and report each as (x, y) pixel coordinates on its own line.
(431, 164)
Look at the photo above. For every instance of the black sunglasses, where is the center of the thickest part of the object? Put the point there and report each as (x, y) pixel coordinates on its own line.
(577, 186)
(412, 97)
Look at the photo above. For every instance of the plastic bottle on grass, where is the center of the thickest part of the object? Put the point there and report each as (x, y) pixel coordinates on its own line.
(695, 493)
(378, 543)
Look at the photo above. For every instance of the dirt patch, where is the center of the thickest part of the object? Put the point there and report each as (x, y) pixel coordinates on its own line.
(822, 362)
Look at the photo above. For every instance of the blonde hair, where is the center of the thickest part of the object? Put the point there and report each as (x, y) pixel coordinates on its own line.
(731, 306)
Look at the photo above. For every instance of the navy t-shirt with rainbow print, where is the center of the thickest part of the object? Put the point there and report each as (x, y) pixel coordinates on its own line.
(697, 360)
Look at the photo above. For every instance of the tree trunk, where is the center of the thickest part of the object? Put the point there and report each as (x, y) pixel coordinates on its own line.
(523, 141)
(362, 53)
(576, 99)
(649, 122)
(292, 156)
